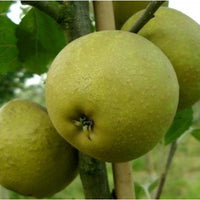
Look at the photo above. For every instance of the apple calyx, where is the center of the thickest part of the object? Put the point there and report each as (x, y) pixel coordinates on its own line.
(85, 123)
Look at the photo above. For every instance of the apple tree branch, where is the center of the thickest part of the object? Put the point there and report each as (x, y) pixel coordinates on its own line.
(146, 16)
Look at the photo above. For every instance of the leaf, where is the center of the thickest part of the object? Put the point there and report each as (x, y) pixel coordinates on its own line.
(142, 190)
(4, 6)
(182, 122)
(139, 190)
(40, 39)
(8, 50)
(153, 185)
(196, 134)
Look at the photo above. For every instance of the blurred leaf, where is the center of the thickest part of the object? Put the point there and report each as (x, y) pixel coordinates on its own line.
(142, 190)
(182, 122)
(10, 82)
(8, 49)
(153, 185)
(139, 190)
(24, 10)
(196, 134)
(15, 195)
(40, 39)
(4, 6)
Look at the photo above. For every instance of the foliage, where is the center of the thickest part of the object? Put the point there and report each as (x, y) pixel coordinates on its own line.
(181, 123)
(10, 82)
(4, 6)
(142, 190)
(196, 134)
(44, 39)
(8, 50)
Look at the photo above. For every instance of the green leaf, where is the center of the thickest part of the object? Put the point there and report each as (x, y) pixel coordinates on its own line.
(40, 39)
(142, 190)
(4, 6)
(139, 190)
(196, 134)
(182, 122)
(8, 49)
(153, 185)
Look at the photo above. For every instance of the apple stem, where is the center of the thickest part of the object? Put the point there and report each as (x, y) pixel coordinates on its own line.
(122, 172)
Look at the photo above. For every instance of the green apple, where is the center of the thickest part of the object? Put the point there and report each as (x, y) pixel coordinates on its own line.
(125, 9)
(112, 95)
(178, 36)
(35, 160)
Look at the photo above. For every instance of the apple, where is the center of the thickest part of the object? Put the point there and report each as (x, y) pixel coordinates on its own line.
(35, 160)
(178, 36)
(112, 95)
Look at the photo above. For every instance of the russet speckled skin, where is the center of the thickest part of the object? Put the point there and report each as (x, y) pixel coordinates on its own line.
(123, 83)
(178, 36)
(35, 160)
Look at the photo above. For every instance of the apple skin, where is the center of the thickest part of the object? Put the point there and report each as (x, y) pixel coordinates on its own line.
(125, 9)
(178, 36)
(35, 160)
(122, 83)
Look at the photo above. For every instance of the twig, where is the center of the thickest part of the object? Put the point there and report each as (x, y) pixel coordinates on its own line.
(47, 7)
(163, 177)
(146, 16)
(122, 172)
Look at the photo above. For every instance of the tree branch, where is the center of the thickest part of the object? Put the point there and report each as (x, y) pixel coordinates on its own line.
(94, 178)
(80, 25)
(47, 7)
(76, 21)
(146, 16)
(163, 177)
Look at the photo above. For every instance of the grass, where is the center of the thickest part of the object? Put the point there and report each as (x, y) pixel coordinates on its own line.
(182, 181)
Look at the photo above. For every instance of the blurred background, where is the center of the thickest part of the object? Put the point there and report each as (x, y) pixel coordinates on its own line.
(184, 175)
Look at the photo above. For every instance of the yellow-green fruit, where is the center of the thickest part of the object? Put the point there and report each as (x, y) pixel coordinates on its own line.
(125, 9)
(178, 36)
(112, 94)
(34, 159)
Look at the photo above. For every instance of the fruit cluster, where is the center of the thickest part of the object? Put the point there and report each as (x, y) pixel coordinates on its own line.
(110, 94)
